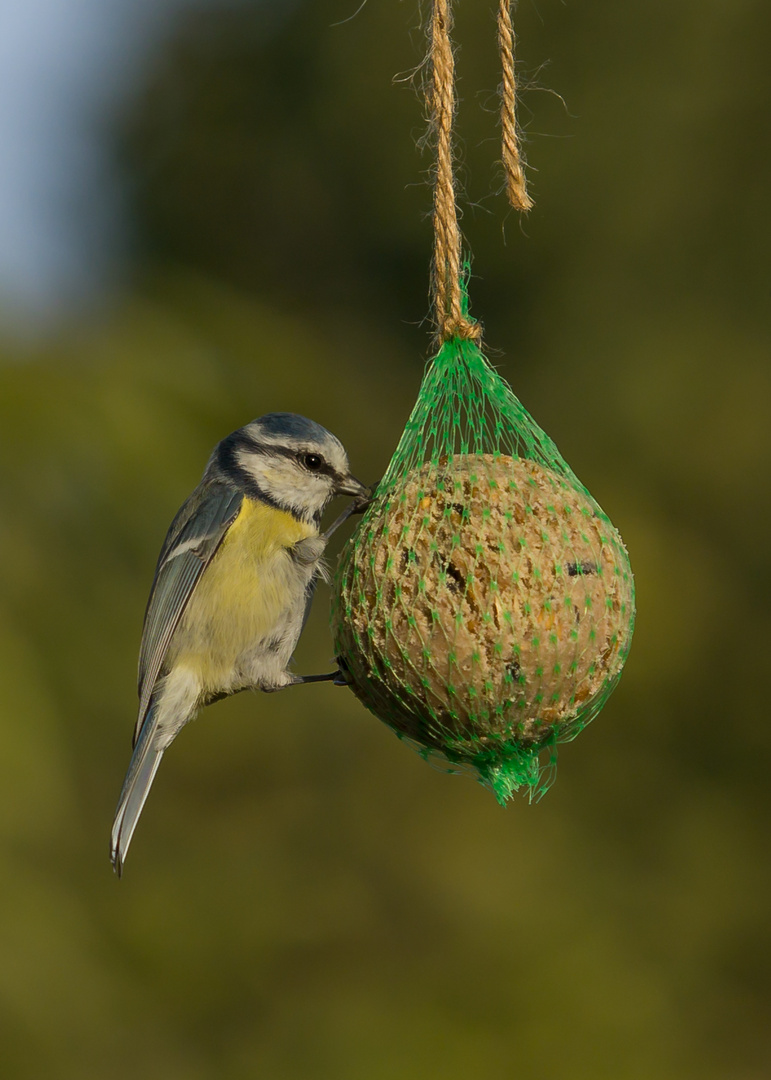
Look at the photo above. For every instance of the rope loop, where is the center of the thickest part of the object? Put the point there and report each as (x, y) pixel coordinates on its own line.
(450, 311)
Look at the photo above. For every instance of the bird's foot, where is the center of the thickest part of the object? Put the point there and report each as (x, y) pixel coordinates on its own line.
(298, 680)
(357, 506)
(340, 677)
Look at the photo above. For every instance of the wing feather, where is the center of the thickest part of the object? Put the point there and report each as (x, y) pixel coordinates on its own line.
(191, 542)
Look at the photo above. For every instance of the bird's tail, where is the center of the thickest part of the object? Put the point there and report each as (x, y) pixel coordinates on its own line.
(136, 787)
(174, 701)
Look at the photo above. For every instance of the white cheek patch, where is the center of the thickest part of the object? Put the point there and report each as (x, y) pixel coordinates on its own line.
(271, 473)
(287, 483)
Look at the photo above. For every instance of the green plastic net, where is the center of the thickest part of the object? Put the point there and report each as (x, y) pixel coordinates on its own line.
(484, 607)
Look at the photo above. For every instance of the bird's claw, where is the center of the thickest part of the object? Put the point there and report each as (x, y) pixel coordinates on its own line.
(363, 502)
(357, 506)
(343, 675)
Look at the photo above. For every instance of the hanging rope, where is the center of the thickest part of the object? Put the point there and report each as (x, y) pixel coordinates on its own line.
(484, 607)
(451, 318)
(516, 185)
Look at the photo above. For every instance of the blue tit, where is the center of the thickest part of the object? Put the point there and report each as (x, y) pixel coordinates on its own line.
(233, 585)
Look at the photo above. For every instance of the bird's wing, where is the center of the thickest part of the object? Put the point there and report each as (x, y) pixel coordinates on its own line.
(195, 534)
(310, 590)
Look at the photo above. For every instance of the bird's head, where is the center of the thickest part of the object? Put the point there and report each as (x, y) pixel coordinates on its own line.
(293, 463)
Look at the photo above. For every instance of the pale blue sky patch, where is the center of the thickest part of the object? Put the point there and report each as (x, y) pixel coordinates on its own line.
(65, 66)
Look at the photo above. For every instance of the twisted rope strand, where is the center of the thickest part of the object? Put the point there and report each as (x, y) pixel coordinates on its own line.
(448, 306)
(451, 318)
(516, 185)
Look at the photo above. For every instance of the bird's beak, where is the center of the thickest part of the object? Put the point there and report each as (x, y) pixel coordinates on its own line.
(349, 485)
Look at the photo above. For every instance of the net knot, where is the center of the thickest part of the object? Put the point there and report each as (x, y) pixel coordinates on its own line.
(463, 328)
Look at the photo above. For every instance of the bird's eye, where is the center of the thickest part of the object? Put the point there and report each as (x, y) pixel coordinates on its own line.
(313, 462)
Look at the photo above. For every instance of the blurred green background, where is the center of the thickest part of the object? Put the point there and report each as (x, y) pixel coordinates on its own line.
(305, 899)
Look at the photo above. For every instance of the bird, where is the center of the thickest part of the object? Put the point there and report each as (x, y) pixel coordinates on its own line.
(233, 586)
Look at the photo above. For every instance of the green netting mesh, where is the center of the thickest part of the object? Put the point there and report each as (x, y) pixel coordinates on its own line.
(484, 606)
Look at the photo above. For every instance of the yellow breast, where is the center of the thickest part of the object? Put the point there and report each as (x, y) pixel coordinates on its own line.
(243, 593)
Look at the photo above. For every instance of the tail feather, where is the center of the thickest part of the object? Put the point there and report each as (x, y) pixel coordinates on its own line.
(136, 787)
(175, 700)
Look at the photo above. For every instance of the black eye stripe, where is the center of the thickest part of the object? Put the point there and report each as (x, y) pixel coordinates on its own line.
(326, 470)
(295, 454)
(230, 464)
